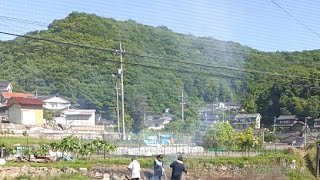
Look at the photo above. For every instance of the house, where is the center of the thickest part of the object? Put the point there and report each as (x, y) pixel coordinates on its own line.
(244, 121)
(110, 124)
(4, 97)
(5, 86)
(316, 124)
(76, 117)
(293, 139)
(209, 118)
(232, 105)
(159, 123)
(25, 110)
(288, 123)
(55, 103)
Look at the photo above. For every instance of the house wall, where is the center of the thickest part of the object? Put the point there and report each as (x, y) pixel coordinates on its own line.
(14, 113)
(27, 115)
(258, 122)
(56, 103)
(80, 120)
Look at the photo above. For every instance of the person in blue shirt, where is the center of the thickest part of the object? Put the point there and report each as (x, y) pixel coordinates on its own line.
(158, 168)
(177, 169)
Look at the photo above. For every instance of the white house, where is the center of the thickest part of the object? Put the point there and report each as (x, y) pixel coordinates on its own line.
(76, 117)
(55, 103)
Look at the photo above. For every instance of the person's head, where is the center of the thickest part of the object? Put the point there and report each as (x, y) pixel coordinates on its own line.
(133, 158)
(180, 158)
(159, 157)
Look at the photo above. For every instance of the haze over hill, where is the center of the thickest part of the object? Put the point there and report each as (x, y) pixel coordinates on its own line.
(159, 64)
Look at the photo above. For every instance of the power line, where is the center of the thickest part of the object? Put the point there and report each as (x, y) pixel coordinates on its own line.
(60, 42)
(158, 58)
(24, 21)
(222, 67)
(296, 19)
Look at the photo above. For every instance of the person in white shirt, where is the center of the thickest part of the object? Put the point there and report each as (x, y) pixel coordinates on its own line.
(134, 167)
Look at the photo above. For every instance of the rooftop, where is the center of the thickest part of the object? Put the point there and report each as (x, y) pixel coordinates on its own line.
(241, 116)
(4, 84)
(287, 117)
(8, 95)
(79, 111)
(24, 101)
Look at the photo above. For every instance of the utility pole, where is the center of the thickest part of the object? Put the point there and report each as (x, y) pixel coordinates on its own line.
(121, 52)
(118, 113)
(206, 113)
(182, 105)
(274, 124)
(305, 130)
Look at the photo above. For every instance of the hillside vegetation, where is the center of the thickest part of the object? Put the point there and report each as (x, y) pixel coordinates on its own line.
(159, 64)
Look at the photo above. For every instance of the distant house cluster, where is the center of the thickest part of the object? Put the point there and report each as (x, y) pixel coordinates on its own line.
(231, 112)
(27, 109)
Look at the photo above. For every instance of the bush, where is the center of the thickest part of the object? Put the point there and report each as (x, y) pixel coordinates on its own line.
(269, 137)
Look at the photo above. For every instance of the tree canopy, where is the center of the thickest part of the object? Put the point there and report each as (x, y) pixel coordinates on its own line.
(159, 64)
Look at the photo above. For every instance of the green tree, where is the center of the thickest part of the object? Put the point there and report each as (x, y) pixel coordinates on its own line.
(246, 140)
(48, 115)
(221, 134)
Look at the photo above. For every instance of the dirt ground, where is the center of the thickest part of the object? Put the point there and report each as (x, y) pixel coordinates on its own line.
(193, 175)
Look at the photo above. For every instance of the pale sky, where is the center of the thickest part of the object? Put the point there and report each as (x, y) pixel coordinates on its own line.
(258, 24)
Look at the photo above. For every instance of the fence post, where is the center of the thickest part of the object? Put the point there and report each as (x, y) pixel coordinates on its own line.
(318, 160)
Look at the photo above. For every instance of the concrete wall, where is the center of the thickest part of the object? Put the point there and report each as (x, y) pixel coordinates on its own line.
(15, 114)
(81, 120)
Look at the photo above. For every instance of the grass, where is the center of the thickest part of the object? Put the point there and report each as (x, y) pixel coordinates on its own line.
(10, 140)
(265, 159)
(147, 162)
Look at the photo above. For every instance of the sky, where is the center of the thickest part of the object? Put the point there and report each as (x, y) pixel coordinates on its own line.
(258, 24)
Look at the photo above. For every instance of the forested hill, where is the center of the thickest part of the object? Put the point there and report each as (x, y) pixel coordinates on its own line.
(154, 76)
(159, 64)
(291, 87)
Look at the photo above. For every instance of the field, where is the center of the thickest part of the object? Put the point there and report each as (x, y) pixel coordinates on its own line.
(277, 165)
(10, 140)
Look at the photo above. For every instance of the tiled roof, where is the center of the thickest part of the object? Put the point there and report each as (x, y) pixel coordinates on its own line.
(286, 117)
(8, 95)
(240, 116)
(24, 101)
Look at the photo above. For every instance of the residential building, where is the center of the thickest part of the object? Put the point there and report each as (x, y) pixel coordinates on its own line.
(110, 124)
(293, 139)
(55, 103)
(159, 123)
(4, 97)
(286, 121)
(316, 123)
(288, 124)
(5, 86)
(244, 121)
(25, 110)
(207, 119)
(76, 117)
(232, 105)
